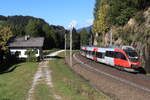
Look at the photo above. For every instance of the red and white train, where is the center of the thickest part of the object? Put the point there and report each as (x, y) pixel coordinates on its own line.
(123, 57)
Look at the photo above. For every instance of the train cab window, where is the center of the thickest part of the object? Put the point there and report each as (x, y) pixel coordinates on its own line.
(120, 55)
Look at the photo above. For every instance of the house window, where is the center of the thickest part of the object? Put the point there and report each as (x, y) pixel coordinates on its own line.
(17, 53)
(13, 52)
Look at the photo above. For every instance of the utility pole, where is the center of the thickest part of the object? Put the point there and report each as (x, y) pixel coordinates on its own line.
(111, 37)
(65, 45)
(71, 45)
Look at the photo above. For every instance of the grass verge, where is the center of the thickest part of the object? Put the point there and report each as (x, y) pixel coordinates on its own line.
(70, 86)
(15, 85)
(43, 92)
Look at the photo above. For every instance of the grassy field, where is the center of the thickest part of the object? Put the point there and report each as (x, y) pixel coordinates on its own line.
(70, 86)
(67, 85)
(15, 85)
(43, 92)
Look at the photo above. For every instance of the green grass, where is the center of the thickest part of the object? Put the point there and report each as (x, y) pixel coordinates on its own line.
(15, 85)
(43, 92)
(69, 85)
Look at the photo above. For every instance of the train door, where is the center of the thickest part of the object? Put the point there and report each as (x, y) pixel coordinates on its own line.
(121, 60)
(94, 53)
(109, 58)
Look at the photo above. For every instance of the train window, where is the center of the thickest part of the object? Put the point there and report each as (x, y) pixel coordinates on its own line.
(88, 52)
(103, 55)
(99, 54)
(110, 54)
(81, 50)
(93, 53)
(131, 53)
(107, 53)
(120, 55)
(84, 51)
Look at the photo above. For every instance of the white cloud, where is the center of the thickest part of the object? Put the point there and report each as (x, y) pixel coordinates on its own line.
(72, 24)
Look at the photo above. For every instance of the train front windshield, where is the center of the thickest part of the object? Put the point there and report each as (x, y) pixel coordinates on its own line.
(132, 56)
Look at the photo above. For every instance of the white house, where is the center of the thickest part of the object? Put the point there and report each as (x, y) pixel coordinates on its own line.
(20, 45)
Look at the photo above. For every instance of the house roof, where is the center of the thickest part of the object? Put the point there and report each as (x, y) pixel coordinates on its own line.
(30, 42)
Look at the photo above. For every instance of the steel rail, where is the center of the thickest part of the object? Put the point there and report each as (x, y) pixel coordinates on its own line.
(113, 76)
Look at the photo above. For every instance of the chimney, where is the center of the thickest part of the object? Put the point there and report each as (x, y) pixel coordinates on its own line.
(27, 37)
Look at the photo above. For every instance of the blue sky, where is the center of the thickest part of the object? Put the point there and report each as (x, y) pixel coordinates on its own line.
(57, 12)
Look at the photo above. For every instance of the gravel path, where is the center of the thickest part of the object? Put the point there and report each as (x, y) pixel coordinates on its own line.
(43, 74)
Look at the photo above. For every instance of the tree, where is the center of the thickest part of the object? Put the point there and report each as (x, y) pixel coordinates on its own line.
(5, 34)
(84, 37)
(146, 43)
(75, 39)
(28, 25)
(100, 23)
(34, 28)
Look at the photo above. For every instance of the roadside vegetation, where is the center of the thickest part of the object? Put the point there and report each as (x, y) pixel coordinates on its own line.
(70, 86)
(14, 85)
(43, 92)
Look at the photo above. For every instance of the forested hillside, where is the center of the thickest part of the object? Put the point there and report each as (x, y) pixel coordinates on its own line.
(129, 23)
(28, 25)
(16, 26)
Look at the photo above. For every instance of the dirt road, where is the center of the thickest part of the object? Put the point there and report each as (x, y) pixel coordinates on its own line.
(43, 75)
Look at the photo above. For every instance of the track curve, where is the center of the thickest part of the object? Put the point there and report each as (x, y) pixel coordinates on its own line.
(128, 78)
(123, 83)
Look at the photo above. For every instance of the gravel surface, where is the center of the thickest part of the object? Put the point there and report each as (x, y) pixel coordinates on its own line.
(119, 85)
(43, 75)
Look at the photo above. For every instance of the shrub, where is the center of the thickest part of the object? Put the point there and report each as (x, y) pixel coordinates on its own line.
(31, 55)
(124, 16)
(140, 17)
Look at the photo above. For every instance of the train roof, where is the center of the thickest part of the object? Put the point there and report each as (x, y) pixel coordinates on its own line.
(113, 47)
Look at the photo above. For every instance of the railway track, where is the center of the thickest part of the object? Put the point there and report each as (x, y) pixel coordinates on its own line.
(138, 84)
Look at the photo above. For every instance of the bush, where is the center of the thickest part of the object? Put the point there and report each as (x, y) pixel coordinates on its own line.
(125, 15)
(31, 55)
(140, 17)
